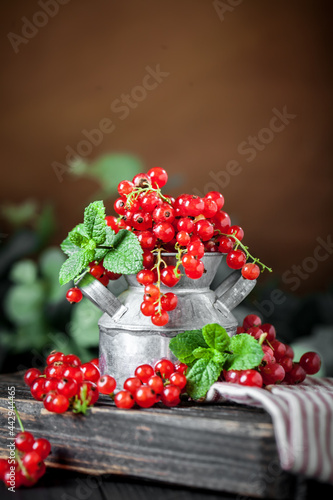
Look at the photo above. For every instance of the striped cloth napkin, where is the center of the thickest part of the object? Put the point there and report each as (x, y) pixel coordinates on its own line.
(302, 418)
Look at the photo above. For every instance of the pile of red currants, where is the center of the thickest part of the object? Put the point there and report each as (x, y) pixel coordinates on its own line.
(277, 365)
(165, 382)
(188, 226)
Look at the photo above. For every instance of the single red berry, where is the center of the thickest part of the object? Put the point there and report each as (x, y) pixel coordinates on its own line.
(55, 357)
(240, 329)
(95, 362)
(150, 201)
(170, 395)
(55, 370)
(31, 375)
(236, 259)
(131, 384)
(119, 206)
(37, 388)
(225, 245)
(51, 384)
(164, 231)
(147, 308)
(287, 363)
(164, 367)
(74, 295)
(160, 319)
(67, 387)
(43, 447)
(183, 238)
(196, 248)
(169, 277)
(96, 270)
(24, 441)
(112, 276)
(272, 373)
(270, 330)
(189, 262)
(185, 224)
(289, 351)
(32, 462)
(90, 372)
(87, 391)
(124, 400)
(236, 231)
(125, 187)
(181, 368)
(211, 208)
(111, 221)
(169, 301)
(56, 403)
(221, 221)
(73, 372)
(142, 221)
(252, 320)
(164, 213)
(144, 372)
(145, 396)
(152, 293)
(156, 383)
(145, 277)
(279, 349)
(232, 376)
(148, 259)
(251, 378)
(296, 375)
(141, 180)
(255, 332)
(72, 360)
(146, 239)
(104, 280)
(310, 362)
(158, 177)
(178, 379)
(106, 384)
(204, 229)
(193, 206)
(196, 273)
(216, 197)
(250, 271)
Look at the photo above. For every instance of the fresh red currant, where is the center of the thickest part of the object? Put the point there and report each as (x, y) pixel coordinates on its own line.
(272, 373)
(169, 277)
(68, 387)
(147, 308)
(204, 229)
(217, 197)
(185, 224)
(90, 372)
(150, 201)
(145, 396)
(111, 221)
(164, 213)
(164, 367)
(250, 271)
(178, 379)
(58, 404)
(119, 206)
(104, 280)
(279, 349)
(189, 262)
(145, 277)
(147, 240)
(164, 231)
(221, 221)
(73, 372)
(270, 330)
(31, 375)
(232, 376)
(181, 368)
(144, 372)
(142, 221)
(51, 384)
(225, 245)
(196, 248)
(112, 276)
(131, 384)
(196, 273)
(43, 447)
(210, 246)
(160, 319)
(37, 388)
(124, 400)
(96, 270)
(72, 360)
(183, 238)
(236, 231)
(106, 384)
(169, 301)
(156, 383)
(148, 259)
(32, 462)
(74, 295)
(289, 351)
(211, 208)
(310, 362)
(24, 441)
(286, 363)
(125, 187)
(296, 375)
(89, 392)
(141, 180)
(251, 378)
(54, 357)
(152, 293)
(255, 332)
(193, 206)
(170, 395)
(158, 177)
(236, 259)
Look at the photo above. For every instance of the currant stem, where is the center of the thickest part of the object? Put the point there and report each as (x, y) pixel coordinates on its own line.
(18, 418)
(246, 250)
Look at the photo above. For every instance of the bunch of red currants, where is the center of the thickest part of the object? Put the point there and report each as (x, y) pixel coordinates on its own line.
(277, 365)
(165, 382)
(188, 226)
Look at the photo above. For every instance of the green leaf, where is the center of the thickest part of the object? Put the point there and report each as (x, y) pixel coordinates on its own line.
(247, 353)
(185, 343)
(126, 256)
(67, 246)
(219, 357)
(94, 221)
(77, 239)
(203, 353)
(201, 376)
(216, 337)
(74, 265)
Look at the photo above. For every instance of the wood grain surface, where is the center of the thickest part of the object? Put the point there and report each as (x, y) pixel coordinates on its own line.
(228, 448)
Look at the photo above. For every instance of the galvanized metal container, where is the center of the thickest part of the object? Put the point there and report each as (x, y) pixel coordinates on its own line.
(128, 338)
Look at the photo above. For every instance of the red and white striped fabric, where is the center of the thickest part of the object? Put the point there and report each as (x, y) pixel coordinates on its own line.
(302, 418)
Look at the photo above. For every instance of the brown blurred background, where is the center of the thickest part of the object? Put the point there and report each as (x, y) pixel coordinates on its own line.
(227, 69)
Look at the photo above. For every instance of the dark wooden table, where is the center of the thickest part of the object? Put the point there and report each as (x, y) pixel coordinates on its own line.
(192, 451)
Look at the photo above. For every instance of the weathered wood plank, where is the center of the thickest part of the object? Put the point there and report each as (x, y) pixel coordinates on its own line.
(220, 447)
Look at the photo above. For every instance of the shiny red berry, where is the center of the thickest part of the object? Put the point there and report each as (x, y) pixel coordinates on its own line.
(158, 176)
(310, 362)
(145, 396)
(124, 400)
(160, 319)
(74, 295)
(250, 271)
(24, 441)
(106, 384)
(169, 301)
(169, 276)
(216, 197)
(144, 372)
(31, 375)
(131, 384)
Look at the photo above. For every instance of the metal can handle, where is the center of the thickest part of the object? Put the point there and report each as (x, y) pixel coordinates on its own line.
(233, 290)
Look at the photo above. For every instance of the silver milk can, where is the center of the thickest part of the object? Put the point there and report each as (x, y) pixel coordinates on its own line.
(128, 338)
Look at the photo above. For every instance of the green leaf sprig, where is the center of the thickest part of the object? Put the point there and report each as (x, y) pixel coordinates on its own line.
(94, 240)
(208, 351)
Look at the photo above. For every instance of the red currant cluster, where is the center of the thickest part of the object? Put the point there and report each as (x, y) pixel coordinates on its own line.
(165, 382)
(99, 272)
(188, 226)
(28, 465)
(277, 365)
(65, 382)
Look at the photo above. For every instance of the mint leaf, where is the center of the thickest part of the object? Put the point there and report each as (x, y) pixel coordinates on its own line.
(201, 376)
(219, 357)
(126, 256)
(203, 353)
(185, 343)
(216, 337)
(247, 353)
(77, 239)
(94, 221)
(67, 246)
(74, 265)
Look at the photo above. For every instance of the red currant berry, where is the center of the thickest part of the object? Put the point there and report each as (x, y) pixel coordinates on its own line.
(90, 372)
(119, 206)
(32, 462)
(145, 277)
(169, 277)
(147, 308)
(37, 389)
(74, 295)
(125, 187)
(289, 351)
(252, 320)
(286, 363)
(145, 397)
(251, 378)
(158, 177)
(169, 301)
(221, 221)
(225, 245)
(196, 248)
(144, 372)
(240, 329)
(232, 376)
(204, 229)
(112, 276)
(196, 273)
(255, 332)
(160, 319)
(310, 362)
(193, 206)
(124, 400)
(51, 384)
(270, 330)
(189, 262)
(250, 271)
(296, 375)
(185, 224)
(181, 368)
(141, 180)
(150, 201)
(24, 441)
(164, 367)
(96, 270)
(43, 447)
(279, 349)
(236, 259)
(148, 259)
(59, 403)
(106, 384)
(88, 392)
(54, 357)
(217, 197)
(236, 231)
(272, 373)
(178, 379)
(152, 293)
(164, 213)
(131, 384)
(31, 375)
(72, 360)
(164, 231)
(183, 238)
(211, 208)
(73, 372)
(147, 240)
(95, 362)
(111, 221)
(68, 387)
(142, 221)
(156, 383)
(170, 395)
(210, 246)
(104, 280)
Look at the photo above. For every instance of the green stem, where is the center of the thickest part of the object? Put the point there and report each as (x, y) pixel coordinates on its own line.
(246, 251)
(18, 418)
